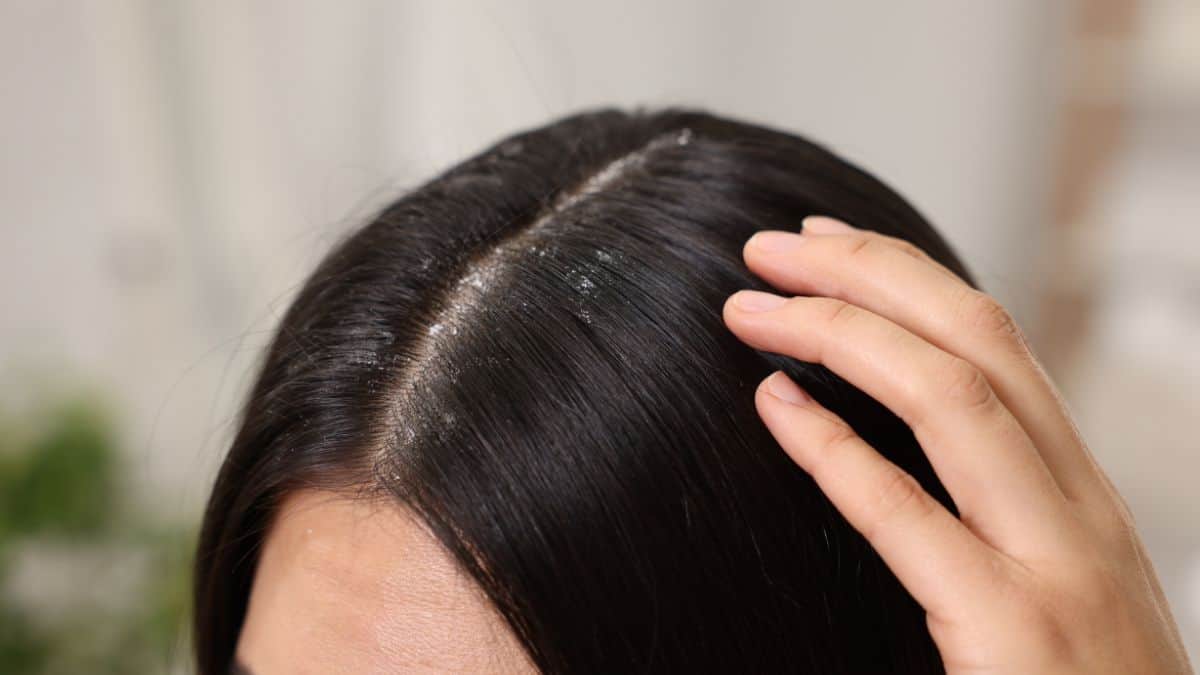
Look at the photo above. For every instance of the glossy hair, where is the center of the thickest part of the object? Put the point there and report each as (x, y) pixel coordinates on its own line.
(528, 351)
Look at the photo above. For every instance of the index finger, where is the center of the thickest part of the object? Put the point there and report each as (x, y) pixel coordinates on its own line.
(896, 280)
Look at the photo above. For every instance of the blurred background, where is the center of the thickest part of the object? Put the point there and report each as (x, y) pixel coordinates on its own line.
(170, 172)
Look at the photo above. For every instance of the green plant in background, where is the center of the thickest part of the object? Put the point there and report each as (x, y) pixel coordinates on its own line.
(63, 482)
(87, 582)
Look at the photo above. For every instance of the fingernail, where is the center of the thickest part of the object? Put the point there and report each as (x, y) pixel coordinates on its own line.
(824, 225)
(757, 301)
(776, 241)
(782, 386)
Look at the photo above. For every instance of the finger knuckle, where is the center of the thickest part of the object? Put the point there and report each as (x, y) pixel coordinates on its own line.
(839, 437)
(905, 246)
(985, 315)
(861, 246)
(838, 312)
(831, 446)
(966, 385)
(898, 493)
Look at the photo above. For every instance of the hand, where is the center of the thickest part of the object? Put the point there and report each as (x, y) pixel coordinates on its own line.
(1043, 572)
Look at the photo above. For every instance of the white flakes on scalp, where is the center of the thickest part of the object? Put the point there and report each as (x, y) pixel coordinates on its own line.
(482, 279)
(475, 279)
(364, 357)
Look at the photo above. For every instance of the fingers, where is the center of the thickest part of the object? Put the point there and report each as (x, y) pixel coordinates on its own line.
(980, 452)
(931, 552)
(895, 279)
(827, 225)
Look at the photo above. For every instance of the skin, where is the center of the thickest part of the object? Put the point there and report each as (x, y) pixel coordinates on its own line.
(1044, 572)
(346, 585)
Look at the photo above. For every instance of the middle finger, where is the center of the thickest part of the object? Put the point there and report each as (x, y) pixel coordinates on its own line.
(978, 449)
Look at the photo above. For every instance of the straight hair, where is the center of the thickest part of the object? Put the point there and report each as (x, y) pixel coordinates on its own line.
(527, 350)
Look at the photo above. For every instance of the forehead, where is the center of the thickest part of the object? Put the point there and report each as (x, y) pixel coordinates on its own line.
(349, 585)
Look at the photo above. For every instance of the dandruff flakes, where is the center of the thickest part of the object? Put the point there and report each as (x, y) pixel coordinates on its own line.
(475, 279)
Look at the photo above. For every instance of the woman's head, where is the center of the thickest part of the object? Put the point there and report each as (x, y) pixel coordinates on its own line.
(519, 371)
